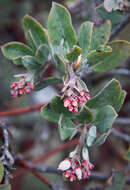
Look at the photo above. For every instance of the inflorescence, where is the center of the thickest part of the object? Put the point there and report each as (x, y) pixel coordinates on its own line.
(74, 169)
(75, 93)
(23, 86)
(74, 102)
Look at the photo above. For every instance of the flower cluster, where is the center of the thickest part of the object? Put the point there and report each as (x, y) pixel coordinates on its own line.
(74, 169)
(21, 87)
(73, 102)
(75, 92)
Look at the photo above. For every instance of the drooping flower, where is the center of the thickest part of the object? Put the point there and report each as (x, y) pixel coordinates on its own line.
(75, 169)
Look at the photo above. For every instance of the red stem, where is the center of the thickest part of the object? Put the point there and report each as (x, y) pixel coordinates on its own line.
(39, 176)
(47, 155)
(23, 110)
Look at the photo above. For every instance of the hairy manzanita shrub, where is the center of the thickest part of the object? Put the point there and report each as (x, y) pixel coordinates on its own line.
(73, 109)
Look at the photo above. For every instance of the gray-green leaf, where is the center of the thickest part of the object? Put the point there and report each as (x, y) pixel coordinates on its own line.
(60, 27)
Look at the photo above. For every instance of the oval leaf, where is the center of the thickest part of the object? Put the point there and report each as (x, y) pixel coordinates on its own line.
(109, 95)
(84, 36)
(38, 33)
(60, 27)
(108, 61)
(84, 116)
(49, 114)
(13, 50)
(104, 118)
(100, 35)
(66, 128)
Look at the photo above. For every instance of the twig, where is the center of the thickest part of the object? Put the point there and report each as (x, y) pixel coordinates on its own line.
(121, 135)
(122, 121)
(39, 176)
(94, 176)
(104, 176)
(99, 176)
(44, 157)
(121, 71)
(20, 111)
(120, 26)
(44, 169)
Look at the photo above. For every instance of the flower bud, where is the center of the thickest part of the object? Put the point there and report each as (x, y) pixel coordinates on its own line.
(74, 103)
(66, 103)
(78, 173)
(64, 165)
(82, 93)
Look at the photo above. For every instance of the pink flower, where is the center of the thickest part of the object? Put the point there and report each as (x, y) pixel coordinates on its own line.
(21, 87)
(74, 169)
(74, 102)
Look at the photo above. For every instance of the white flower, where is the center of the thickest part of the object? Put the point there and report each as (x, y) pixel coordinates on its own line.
(78, 172)
(64, 165)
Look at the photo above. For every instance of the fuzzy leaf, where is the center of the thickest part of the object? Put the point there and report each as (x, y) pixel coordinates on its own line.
(74, 53)
(42, 53)
(1, 171)
(104, 118)
(5, 187)
(60, 27)
(118, 182)
(84, 116)
(120, 101)
(107, 61)
(66, 127)
(100, 35)
(38, 33)
(116, 17)
(47, 82)
(111, 94)
(14, 50)
(84, 36)
(30, 62)
(49, 114)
